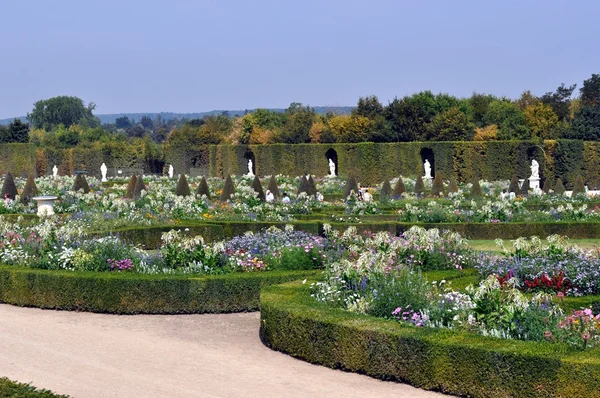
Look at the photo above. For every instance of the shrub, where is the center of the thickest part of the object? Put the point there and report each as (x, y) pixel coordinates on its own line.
(9, 187)
(419, 185)
(228, 189)
(578, 186)
(81, 184)
(437, 189)
(559, 189)
(182, 188)
(547, 187)
(258, 188)
(203, 188)
(11, 389)
(525, 188)
(312, 187)
(514, 184)
(399, 189)
(452, 185)
(139, 186)
(302, 185)
(351, 185)
(29, 191)
(130, 194)
(273, 187)
(476, 189)
(386, 191)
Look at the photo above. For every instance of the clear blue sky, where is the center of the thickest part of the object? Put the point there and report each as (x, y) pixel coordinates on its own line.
(192, 56)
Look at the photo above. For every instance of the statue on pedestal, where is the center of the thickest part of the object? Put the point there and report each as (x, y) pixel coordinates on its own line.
(427, 167)
(170, 171)
(54, 172)
(103, 170)
(535, 169)
(331, 168)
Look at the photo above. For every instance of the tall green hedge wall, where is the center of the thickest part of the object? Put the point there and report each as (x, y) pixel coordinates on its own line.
(371, 163)
(17, 158)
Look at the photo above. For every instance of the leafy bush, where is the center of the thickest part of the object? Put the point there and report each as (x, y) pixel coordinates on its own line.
(182, 188)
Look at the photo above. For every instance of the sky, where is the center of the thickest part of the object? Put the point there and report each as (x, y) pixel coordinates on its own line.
(194, 56)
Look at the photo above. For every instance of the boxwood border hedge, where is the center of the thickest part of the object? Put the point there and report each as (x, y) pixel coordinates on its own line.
(129, 293)
(444, 360)
(9, 388)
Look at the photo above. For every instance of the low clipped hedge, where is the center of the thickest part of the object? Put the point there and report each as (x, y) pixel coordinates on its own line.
(129, 293)
(435, 359)
(11, 389)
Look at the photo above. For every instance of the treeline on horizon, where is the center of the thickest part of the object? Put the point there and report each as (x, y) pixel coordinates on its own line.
(566, 112)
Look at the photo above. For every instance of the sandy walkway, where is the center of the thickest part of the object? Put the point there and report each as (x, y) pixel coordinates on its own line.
(94, 355)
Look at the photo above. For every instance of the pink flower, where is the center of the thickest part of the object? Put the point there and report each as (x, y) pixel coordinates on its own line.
(588, 312)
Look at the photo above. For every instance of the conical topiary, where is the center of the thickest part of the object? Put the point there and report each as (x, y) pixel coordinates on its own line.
(256, 185)
(29, 191)
(81, 184)
(547, 185)
(386, 191)
(524, 188)
(228, 189)
(139, 187)
(302, 185)
(476, 189)
(399, 189)
(578, 186)
(419, 186)
(131, 187)
(351, 185)
(9, 189)
(312, 187)
(514, 184)
(182, 188)
(437, 188)
(559, 188)
(273, 187)
(203, 188)
(452, 185)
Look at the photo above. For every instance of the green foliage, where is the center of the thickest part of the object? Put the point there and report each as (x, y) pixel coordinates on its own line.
(312, 187)
(525, 188)
(256, 185)
(16, 131)
(386, 191)
(476, 189)
(299, 120)
(590, 91)
(8, 187)
(547, 186)
(351, 185)
(578, 186)
(139, 186)
(399, 189)
(437, 188)
(29, 190)
(182, 188)
(451, 125)
(302, 185)
(129, 293)
(559, 189)
(419, 185)
(11, 389)
(586, 125)
(452, 185)
(130, 193)
(559, 100)
(80, 183)
(228, 189)
(509, 118)
(273, 187)
(514, 184)
(203, 188)
(63, 110)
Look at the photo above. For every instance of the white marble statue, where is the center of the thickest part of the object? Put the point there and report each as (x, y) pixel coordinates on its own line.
(171, 171)
(331, 168)
(427, 167)
(250, 172)
(535, 169)
(103, 170)
(54, 172)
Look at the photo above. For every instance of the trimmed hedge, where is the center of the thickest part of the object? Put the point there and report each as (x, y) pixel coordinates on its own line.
(129, 293)
(445, 360)
(10, 389)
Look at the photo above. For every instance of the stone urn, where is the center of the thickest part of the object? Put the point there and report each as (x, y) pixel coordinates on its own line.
(45, 205)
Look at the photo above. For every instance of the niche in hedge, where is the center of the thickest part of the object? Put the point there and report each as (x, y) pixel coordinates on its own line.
(331, 155)
(427, 154)
(249, 157)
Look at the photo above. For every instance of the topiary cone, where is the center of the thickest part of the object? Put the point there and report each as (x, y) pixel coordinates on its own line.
(437, 188)
(514, 184)
(476, 189)
(182, 188)
(419, 186)
(386, 191)
(399, 189)
(312, 187)
(452, 186)
(258, 188)
(559, 189)
(8, 187)
(578, 186)
(139, 187)
(547, 186)
(351, 185)
(228, 189)
(81, 184)
(29, 191)
(131, 187)
(203, 188)
(273, 187)
(525, 188)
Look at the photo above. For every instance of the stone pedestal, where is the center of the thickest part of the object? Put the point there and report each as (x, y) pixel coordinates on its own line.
(45, 205)
(534, 183)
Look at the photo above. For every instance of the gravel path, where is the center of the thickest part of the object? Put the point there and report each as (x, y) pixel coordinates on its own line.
(95, 355)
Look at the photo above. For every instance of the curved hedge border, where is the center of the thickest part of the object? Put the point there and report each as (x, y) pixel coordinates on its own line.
(444, 360)
(128, 293)
(9, 388)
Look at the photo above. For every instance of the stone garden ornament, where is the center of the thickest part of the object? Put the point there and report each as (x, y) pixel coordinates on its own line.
(170, 171)
(331, 168)
(54, 172)
(427, 167)
(250, 172)
(103, 170)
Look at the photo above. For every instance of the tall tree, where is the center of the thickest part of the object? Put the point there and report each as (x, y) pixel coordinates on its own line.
(369, 107)
(559, 100)
(296, 129)
(16, 131)
(64, 110)
(590, 91)
(509, 119)
(451, 125)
